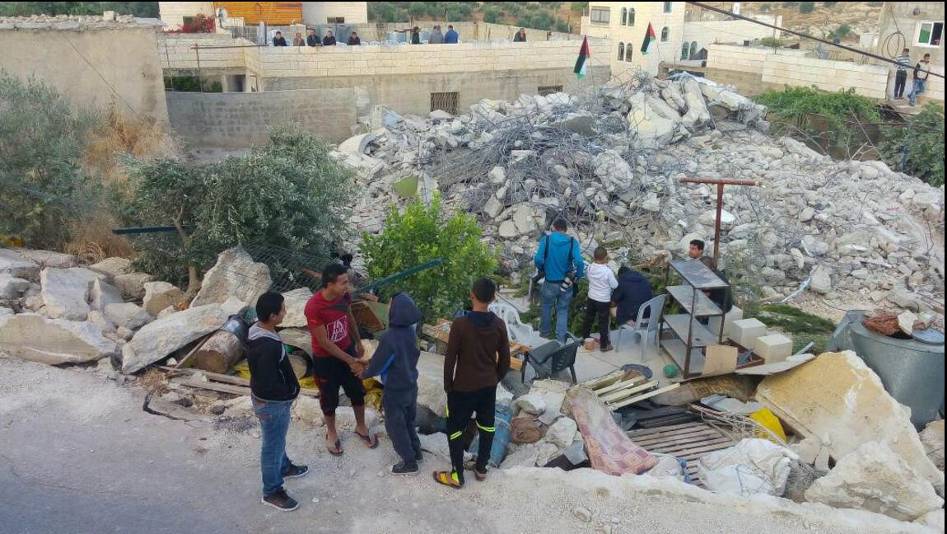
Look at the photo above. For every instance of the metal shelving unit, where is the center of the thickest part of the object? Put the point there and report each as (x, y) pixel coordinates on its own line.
(688, 337)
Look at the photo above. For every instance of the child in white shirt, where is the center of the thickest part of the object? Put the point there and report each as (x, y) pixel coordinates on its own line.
(601, 283)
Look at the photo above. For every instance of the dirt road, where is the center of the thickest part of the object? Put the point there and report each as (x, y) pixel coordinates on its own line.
(77, 454)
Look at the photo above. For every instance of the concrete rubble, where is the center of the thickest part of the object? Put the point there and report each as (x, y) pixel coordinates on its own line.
(295, 302)
(160, 295)
(53, 341)
(612, 159)
(932, 437)
(751, 467)
(874, 478)
(66, 292)
(234, 275)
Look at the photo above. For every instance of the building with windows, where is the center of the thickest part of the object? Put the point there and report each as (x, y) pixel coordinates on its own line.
(176, 14)
(918, 26)
(625, 24)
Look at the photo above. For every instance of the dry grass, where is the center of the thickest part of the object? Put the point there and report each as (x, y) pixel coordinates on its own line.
(121, 134)
(92, 240)
(154, 381)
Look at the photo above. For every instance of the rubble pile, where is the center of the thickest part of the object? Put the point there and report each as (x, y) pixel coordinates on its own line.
(611, 162)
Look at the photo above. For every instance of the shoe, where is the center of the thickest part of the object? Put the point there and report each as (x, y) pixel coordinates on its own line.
(480, 475)
(419, 457)
(296, 471)
(607, 348)
(281, 501)
(449, 479)
(405, 470)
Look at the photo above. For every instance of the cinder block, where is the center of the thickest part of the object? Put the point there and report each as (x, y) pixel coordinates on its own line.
(746, 331)
(773, 348)
(713, 323)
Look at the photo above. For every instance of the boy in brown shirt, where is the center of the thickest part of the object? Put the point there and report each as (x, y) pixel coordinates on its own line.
(478, 357)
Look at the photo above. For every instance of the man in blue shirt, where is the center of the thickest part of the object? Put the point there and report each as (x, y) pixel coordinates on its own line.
(451, 37)
(560, 258)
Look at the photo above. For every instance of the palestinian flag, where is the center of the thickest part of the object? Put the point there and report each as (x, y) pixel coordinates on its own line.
(582, 63)
(649, 36)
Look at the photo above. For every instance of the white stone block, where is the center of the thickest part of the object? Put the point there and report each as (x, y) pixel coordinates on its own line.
(713, 323)
(773, 348)
(746, 331)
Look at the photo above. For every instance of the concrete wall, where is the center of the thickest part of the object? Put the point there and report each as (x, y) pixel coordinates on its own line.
(173, 13)
(239, 120)
(633, 35)
(708, 32)
(899, 16)
(753, 70)
(92, 67)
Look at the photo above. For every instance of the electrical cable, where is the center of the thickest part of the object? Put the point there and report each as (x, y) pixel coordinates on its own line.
(805, 36)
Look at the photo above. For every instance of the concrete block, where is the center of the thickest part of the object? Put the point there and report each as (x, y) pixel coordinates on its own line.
(773, 347)
(745, 332)
(713, 323)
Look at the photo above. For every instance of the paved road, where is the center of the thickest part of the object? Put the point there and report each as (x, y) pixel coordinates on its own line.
(78, 455)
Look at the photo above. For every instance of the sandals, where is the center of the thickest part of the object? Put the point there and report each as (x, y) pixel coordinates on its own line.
(448, 478)
(337, 450)
(371, 441)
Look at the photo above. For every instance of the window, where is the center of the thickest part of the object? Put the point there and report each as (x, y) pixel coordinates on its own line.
(599, 15)
(930, 33)
(667, 7)
(335, 20)
(624, 16)
(693, 53)
(629, 50)
(631, 17)
(545, 90)
(445, 102)
(684, 49)
(621, 51)
(665, 34)
(187, 21)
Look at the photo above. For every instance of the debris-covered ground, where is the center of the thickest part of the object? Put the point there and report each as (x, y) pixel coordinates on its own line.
(611, 160)
(80, 456)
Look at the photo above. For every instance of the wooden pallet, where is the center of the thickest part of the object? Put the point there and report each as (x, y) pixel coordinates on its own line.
(687, 441)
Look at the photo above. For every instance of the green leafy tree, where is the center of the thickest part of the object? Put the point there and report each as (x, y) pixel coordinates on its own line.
(918, 147)
(806, 7)
(491, 15)
(42, 183)
(22, 9)
(422, 233)
(288, 193)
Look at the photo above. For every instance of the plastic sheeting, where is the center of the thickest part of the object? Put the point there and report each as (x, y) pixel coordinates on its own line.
(751, 467)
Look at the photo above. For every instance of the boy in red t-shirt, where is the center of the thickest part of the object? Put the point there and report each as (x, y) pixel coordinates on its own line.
(338, 353)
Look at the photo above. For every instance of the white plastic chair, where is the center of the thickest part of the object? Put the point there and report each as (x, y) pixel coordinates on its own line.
(518, 332)
(645, 329)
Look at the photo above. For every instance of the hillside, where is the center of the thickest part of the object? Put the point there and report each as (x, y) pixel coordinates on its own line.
(557, 16)
(845, 20)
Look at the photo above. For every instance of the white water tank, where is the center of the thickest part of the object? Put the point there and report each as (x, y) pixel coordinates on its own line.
(335, 13)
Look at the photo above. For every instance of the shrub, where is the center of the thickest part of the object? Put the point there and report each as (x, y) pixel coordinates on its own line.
(42, 183)
(918, 147)
(771, 42)
(491, 15)
(288, 193)
(806, 7)
(422, 233)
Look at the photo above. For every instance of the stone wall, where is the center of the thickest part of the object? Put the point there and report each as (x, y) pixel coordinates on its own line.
(92, 67)
(239, 120)
(707, 32)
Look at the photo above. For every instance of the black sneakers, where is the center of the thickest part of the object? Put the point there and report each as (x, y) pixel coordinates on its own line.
(296, 471)
(481, 474)
(281, 501)
(405, 470)
(419, 457)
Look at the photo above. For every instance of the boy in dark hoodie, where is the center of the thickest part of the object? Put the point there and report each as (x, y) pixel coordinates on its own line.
(396, 363)
(273, 388)
(633, 290)
(478, 357)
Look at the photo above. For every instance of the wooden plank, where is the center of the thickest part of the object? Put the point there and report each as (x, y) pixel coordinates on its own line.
(691, 450)
(683, 443)
(704, 434)
(231, 380)
(640, 398)
(633, 433)
(187, 361)
(603, 380)
(624, 393)
(699, 427)
(621, 384)
(217, 386)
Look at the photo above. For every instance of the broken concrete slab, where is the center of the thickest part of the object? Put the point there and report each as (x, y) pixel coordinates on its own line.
(133, 284)
(295, 302)
(531, 403)
(128, 315)
(12, 287)
(160, 295)
(874, 478)
(839, 400)
(235, 274)
(102, 294)
(66, 292)
(112, 267)
(821, 279)
(53, 341)
(562, 432)
(15, 264)
(773, 348)
(431, 393)
(163, 336)
(932, 437)
(48, 258)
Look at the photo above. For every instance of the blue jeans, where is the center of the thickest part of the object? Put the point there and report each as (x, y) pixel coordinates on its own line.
(917, 89)
(552, 296)
(274, 422)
